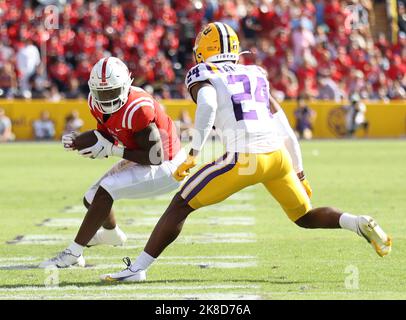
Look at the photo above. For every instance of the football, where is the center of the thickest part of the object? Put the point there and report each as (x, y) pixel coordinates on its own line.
(87, 139)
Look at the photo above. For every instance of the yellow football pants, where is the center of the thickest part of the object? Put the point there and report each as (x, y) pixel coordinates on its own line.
(216, 181)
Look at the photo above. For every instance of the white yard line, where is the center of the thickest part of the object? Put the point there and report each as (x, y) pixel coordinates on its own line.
(193, 296)
(36, 294)
(129, 287)
(118, 266)
(217, 264)
(180, 257)
(53, 239)
(158, 209)
(105, 258)
(19, 259)
(222, 221)
(162, 296)
(201, 264)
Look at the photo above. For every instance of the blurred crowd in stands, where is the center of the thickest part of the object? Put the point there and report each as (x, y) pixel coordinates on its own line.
(321, 49)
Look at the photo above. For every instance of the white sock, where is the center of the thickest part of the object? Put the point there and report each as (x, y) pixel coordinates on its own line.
(349, 221)
(143, 261)
(76, 249)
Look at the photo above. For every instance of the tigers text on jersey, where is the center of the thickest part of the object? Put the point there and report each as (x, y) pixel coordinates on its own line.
(243, 118)
(140, 110)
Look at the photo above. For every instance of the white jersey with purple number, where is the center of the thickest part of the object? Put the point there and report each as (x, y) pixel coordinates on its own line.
(243, 119)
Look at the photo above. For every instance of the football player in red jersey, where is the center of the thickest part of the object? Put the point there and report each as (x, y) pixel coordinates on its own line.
(146, 140)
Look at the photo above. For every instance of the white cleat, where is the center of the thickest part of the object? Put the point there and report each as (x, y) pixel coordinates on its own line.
(374, 234)
(114, 237)
(127, 275)
(64, 259)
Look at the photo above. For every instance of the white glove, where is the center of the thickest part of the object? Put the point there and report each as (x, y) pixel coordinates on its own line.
(94, 152)
(67, 140)
(100, 150)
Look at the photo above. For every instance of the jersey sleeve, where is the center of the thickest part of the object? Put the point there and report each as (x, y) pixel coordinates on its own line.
(200, 72)
(142, 117)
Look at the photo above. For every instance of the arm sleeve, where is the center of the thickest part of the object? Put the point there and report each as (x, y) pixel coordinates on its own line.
(290, 140)
(205, 116)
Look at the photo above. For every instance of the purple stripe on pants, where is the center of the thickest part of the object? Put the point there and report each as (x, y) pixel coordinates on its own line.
(192, 178)
(210, 177)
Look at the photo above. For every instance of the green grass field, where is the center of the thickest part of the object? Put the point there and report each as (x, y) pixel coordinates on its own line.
(243, 248)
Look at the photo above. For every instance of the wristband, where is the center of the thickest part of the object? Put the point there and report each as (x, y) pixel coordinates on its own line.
(117, 151)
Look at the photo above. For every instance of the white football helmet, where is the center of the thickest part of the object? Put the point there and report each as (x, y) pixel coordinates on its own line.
(109, 84)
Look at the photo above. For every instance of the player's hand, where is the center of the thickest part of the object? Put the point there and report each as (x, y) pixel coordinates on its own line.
(183, 170)
(68, 141)
(100, 150)
(94, 152)
(107, 146)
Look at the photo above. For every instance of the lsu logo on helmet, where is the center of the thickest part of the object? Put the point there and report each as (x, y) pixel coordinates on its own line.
(216, 42)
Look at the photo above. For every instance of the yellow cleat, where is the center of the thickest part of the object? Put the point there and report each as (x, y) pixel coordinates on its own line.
(385, 250)
(109, 279)
(374, 234)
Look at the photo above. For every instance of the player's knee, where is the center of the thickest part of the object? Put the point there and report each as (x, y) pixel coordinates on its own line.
(89, 196)
(181, 203)
(86, 203)
(102, 195)
(179, 206)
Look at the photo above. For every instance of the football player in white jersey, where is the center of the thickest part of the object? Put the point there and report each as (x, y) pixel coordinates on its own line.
(261, 147)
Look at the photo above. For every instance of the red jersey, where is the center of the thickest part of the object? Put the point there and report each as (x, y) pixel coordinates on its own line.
(140, 110)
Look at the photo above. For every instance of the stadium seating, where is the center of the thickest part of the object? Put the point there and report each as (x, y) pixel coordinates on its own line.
(319, 49)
